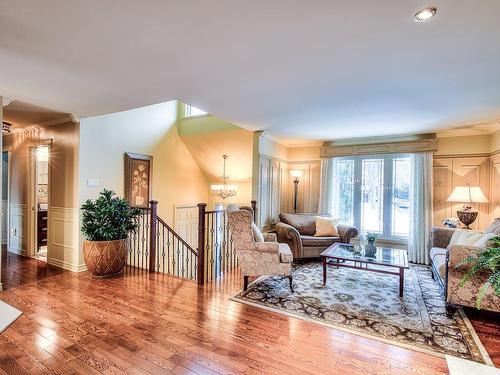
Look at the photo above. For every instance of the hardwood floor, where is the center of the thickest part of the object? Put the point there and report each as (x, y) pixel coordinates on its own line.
(143, 323)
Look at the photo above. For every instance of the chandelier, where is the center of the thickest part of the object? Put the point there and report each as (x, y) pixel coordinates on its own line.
(6, 127)
(223, 190)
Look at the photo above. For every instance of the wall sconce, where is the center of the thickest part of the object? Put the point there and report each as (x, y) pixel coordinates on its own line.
(295, 174)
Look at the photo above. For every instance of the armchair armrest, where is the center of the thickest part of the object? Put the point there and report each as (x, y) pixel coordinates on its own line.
(346, 232)
(267, 247)
(457, 253)
(441, 236)
(291, 236)
(269, 237)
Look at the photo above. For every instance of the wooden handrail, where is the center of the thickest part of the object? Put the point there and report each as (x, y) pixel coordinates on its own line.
(174, 233)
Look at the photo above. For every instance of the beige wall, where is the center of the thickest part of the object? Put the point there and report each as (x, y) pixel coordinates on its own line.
(63, 162)
(152, 130)
(473, 144)
(495, 141)
(63, 191)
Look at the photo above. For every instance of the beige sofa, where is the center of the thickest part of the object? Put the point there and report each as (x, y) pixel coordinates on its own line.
(444, 258)
(297, 230)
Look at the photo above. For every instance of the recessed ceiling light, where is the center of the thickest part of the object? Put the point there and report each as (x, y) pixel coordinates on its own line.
(425, 14)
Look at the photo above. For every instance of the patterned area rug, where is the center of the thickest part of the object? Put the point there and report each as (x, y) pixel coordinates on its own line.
(368, 303)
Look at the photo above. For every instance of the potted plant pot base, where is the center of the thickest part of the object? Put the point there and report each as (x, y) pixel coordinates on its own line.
(105, 258)
(106, 224)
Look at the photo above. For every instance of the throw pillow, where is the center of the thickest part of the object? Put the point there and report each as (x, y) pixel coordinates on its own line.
(257, 234)
(465, 237)
(483, 241)
(326, 227)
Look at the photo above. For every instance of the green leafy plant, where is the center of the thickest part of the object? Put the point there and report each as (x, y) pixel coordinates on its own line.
(488, 261)
(371, 237)
(108, 218)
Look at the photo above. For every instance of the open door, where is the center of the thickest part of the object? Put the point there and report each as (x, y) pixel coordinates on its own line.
(39, 201)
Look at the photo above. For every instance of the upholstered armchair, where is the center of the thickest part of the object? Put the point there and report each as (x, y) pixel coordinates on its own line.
(258, 254)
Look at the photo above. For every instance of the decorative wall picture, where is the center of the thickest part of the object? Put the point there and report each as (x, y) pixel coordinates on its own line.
(138, 179)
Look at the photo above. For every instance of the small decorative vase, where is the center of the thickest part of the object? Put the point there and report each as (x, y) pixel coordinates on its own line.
(370, 250)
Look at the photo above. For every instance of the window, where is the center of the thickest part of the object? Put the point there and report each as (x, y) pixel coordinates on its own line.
(191, 111)
(372, 193)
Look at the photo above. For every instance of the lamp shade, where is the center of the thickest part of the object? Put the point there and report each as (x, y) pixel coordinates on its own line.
(468, 194)
(296, 173)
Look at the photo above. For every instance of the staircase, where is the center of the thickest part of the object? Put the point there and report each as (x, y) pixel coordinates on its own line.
(156, 247)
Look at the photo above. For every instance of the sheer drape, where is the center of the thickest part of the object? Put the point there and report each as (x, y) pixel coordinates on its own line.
(326, 186)
(420, 208)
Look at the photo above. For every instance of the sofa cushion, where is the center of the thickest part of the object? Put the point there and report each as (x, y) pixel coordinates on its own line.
(326, 227)
(465, 237)
(305, 224)
(437, 251)
(494, 227)
(311, 241)
(257, 234)
(484, 240)
(438, 258)
(286, 255)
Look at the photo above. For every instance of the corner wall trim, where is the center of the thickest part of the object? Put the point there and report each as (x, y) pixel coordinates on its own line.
(67, 266)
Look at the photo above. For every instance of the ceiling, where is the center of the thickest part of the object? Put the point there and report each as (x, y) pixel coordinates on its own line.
(303, 71)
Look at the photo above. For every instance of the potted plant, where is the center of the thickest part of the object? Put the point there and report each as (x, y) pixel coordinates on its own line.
(106, 224)
(485, 261)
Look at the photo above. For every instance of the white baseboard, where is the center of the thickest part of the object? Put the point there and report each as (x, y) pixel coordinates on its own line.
(67, 266)
(17, 251)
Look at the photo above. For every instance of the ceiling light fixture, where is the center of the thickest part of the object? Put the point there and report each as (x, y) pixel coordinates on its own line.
(6, 127)
(224, 190)
(425, 14)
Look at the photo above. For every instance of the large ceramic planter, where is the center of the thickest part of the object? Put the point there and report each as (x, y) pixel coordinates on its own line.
(105, 258)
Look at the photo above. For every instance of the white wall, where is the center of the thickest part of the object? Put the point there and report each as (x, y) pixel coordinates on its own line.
(151, 130)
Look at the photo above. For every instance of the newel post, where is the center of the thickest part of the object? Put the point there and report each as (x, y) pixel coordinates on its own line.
(254, 208)
(201, 243)
(152, 235)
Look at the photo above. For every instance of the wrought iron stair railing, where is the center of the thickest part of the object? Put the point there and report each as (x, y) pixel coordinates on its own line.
(156, 247)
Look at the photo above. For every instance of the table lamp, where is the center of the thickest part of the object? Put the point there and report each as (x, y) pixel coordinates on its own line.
(467, 195)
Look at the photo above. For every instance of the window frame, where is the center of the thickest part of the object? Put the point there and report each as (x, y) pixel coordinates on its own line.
(387, 193)
(188, 111)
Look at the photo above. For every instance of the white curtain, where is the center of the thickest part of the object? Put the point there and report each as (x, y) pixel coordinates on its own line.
(420, 208)
(326, 186)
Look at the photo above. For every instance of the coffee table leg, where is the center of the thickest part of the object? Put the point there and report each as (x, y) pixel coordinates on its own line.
(401, 281)
(324, 270)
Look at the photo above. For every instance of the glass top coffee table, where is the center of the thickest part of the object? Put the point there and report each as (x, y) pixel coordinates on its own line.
(350, 256)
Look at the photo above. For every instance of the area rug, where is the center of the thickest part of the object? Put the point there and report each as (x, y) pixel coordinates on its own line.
(8, 315)
(368, 304)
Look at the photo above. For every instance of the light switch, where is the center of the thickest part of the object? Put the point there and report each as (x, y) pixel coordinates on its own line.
(92, 182)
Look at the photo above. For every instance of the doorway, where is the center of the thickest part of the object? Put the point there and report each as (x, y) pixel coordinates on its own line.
(40, 161)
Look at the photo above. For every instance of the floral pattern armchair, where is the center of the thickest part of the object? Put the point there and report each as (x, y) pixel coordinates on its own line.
(258, 258)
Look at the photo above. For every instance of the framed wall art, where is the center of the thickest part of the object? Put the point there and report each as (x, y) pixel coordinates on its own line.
(138, 179)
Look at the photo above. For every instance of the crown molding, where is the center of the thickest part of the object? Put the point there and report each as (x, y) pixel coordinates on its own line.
(473, 129)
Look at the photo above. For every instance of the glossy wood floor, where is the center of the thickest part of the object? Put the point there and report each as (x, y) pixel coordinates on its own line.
(151, 324)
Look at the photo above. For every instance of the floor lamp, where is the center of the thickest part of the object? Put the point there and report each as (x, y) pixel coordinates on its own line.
(295, 174)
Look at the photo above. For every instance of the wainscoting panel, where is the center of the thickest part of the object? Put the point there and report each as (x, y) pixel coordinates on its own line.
(63, 244)
(5, 221)
(442, 189)
(18, 228)
(495, 187)
(458, 171)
